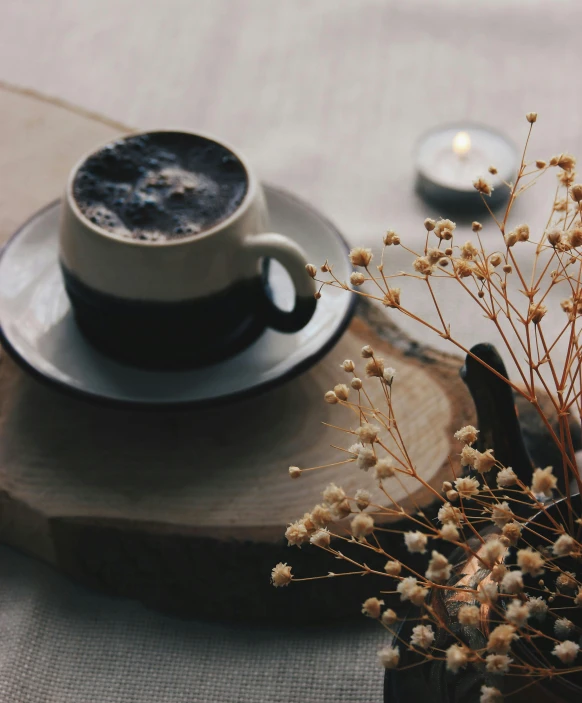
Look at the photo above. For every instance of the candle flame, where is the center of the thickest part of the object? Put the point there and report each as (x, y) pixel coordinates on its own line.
(461, 143)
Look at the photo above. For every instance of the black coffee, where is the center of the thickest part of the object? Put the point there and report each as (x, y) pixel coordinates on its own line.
(159, 186)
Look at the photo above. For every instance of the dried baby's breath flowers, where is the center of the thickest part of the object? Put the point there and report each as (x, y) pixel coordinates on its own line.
(526, 594)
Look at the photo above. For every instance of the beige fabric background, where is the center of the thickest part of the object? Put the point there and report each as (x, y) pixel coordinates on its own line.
(328, 98)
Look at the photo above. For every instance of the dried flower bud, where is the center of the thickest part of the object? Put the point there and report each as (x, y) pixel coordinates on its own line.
(393, 568)
(495, 259)
(415, 542)
(281, 575)
(330, 397)
(443, 262)
(566, 580)
(501, 514)
(362, 525)
(531, 117)
(429, 224)
(422, 636)
(522, 233)
(457, 658)
(467, 434)
(356, 383)
(575, 237)
(469, 251)
(462, 268)
(530, 562)
(449, 532)
(317, 295)
(452, 495)
(448, 251)
(389, 374)
(467, 487)
(544, 482)
(359, 256)
(333, 494)
(320, 515)
(389, 617)
(294, 471)
(498, 663)
(565, 161)
(468, 456)
(348, 366)
(367, 433)
(476, 226)
(536, 312)
(321, 538)
(554, 236)
(484, 461)
(375, 368)
(391, 238)
(507, 269)
(482, 186)
(372, 607)
(506, 477)
(444, 229)
(297, 533)
(469, 615)
(491, 552)
(357, 279)
(311, 270)
(562, 627)
(564, 546)
(490, 694)
(367, 351)
(363, 498)
(423, 266)
(512, 582)
(576, 192)
(325, 268)
(410, 590)
(389, 657)
(433, 254)
(501, 638)
(540, 163)
(566, 651)
(498, 572)
(392, 298)
(492, 170)
(447, 485)
(512, 532)
(341, 391)
(510, 239)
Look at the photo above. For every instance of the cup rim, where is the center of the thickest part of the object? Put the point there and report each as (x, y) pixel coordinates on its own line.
(178, 241)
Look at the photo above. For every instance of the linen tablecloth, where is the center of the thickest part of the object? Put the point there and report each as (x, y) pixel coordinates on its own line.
(327, 98)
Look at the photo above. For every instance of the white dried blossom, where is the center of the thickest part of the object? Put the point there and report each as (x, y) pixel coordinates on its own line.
(341, 510)
(439, 569)
(491, 552)
(566, 651)
(281, 575)
(447, 485)
(330, 397)
(490, 694)
(517, 613)
(469, 251)
(389, 617)
(469, 615)
(537, 607)
(543, 482)
(467, 434)
(367, 352)
(449, 514)
(457, 658)
(368, 433)
(512, 582)
(506, 477)
(449, 532)
(452, 495)
(392, 568)
(498, 663)
(423, 266)
(415, 542)
(365, 457)
(422, 636)
(389, 374)
(434, 255)
(536, 312)
(444, 229)
(391, 298)
(333, 494)
(498, 572)
(362, 525)
(467, 487)
(563, 627)
(348, 366)
(487, 593)
(296, 533)
(372, 607)
(384, 469)
(375, 368)
(321, 515)
(567, 579)
(468, 456)
(357, 278)
(501, 514)
(410, 590)
(363, 498)
(389, 657)
(484, 461)
(483, 186)
(530, 562)
(321, 538)
(356, 383)
(512, 532)
(501, 638)
(294, 471)
(359, 256)
(391, 238)
(564, 546)
(522, 233)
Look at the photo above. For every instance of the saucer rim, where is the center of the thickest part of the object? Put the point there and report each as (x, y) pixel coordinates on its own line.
(258, 389)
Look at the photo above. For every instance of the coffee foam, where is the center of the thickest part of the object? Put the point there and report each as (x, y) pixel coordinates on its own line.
(160, 186)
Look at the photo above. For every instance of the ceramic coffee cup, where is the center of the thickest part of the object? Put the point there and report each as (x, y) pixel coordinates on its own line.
(173, 301)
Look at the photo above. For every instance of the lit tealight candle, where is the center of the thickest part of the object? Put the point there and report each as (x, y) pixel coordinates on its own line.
(449, 159)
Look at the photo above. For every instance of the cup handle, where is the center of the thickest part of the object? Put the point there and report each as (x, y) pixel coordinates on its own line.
(292, 257)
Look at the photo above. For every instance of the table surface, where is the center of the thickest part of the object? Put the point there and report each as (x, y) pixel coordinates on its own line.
(327, 98)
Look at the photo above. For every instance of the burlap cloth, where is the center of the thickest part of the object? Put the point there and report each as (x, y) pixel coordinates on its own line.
(327, 97)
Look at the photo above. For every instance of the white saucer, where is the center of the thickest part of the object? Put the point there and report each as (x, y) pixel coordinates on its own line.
(38, 330)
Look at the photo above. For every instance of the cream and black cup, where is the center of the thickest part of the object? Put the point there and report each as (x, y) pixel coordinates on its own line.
(164, 249)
